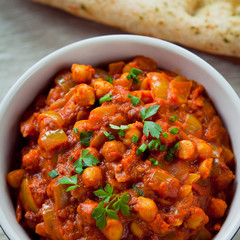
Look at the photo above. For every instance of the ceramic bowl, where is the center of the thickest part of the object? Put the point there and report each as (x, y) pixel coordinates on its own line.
(102, 50)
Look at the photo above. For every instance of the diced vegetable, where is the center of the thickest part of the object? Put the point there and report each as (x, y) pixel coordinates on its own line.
(14, 178)
(53, 115)
(61, 197)
(159, 84)
(27, 198)
(136, 230)
(205, 168)
(227, 155)
(180, 91)
(65, 82)
(51, 139)
(193, 126)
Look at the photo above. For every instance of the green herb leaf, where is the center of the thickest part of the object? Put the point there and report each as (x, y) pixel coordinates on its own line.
(170, 155)
(76, 130)
(72, 180)
(154, 161)
(174, 130)
(109, 136)
(135, 139)
(146, 113)
(85, 137)
(141, 149)
(165, 135)
(120, 128)
(154, 144)
(66, 180)
(139, 191)
(173, 119)
(117, 203)
(106, 98)
(112, 214)
(162, 148)
(53, 174)
(85, 160)
(134, 72)
(153, 128)
(134, 100)
(109, 79)
(71, 158)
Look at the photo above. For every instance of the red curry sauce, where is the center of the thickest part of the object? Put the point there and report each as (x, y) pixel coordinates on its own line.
(129, 152)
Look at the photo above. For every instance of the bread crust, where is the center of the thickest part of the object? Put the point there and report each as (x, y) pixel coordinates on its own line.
(208, 25)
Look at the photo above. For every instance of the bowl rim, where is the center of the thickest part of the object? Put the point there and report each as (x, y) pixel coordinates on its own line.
(128, 38)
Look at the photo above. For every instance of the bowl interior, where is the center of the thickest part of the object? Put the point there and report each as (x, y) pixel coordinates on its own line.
(102, 50)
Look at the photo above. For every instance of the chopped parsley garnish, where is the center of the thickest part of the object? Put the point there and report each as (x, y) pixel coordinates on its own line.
(134, 100)
(120, 128)
(76, 130)
(170, 155)
(109, 79)
(134, 139)
(85, 137)
(53, 174)
(154, 144)
(85, 160)
(150, 127)
(71, 181)
(173, 118)
(109, 136)
(174, 130)
(139, 191)
(105, 98)
(162, 148)
(165, 135)
(102, 210)
(142, 149)
(154, 161)
(134, 72)
(71, 158)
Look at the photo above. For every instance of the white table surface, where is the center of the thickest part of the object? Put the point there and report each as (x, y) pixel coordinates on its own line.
(30, 31)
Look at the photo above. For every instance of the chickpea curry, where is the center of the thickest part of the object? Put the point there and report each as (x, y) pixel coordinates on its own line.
(129, 151)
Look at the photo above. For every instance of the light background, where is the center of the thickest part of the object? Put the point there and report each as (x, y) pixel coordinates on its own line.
(30, 31)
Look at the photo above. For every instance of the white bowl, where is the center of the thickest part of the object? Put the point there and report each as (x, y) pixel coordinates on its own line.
(106, 49)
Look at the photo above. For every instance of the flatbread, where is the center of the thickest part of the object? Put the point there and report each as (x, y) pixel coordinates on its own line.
(207, 25)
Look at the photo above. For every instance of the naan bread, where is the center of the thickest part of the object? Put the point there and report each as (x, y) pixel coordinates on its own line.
(207, 25)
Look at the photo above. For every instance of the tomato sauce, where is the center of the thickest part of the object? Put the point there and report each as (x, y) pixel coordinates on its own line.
(130, 151)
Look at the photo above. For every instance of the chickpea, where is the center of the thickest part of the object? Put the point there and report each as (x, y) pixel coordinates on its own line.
(205, 168)
(217, 208)
(92, 177)
(129, 133)
(93, 151)
(102, 88)
(196, 219)
(85, 210)
(113, 230)
(84, 95)
(186, 150)
(136, 230)
(146, 208)
(82, 73)
(113, 150)
(204, 150)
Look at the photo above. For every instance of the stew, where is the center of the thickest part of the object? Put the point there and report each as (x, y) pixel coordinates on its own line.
(129, 151)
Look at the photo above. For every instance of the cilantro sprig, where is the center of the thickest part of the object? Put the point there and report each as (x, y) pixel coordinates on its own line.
(109, 205)
(85, 160)
(138, 190)
(134, 100)
(71, 181)
(120, 128)
(108, 135)
(134, 72)
(170, 154)
(85, 137)
(149, 126)
(109, 79)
